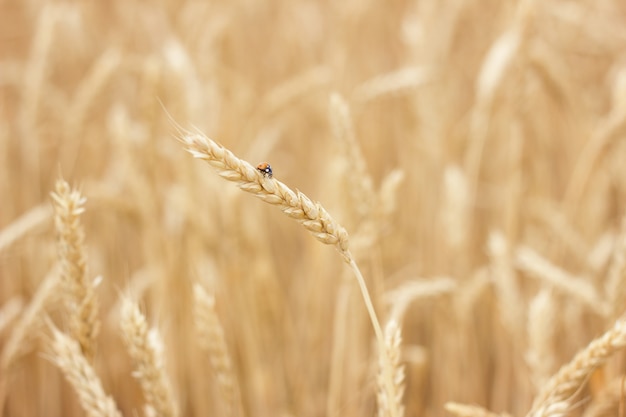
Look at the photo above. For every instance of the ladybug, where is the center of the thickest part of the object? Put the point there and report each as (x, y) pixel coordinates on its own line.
(265, 169)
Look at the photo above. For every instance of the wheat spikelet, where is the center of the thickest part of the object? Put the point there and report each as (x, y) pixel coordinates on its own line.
(212, 340)
(145, 349)
(391, 374)
(68, 357)
(83, 305)
(555, 397)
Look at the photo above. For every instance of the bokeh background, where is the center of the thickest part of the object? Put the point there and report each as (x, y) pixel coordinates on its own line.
(485, 172)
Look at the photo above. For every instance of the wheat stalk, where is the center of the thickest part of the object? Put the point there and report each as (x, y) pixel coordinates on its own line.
(83, 305)
(145, 349)
(68, 356)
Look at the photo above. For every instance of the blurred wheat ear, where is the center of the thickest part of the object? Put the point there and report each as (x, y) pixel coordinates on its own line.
(69, 358)
(79, 290)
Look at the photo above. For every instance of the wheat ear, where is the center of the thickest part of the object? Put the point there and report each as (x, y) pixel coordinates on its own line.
(79, 290)
(212, 341)
(555, 397)
(145, 349)
(294, 204)
(68, 356)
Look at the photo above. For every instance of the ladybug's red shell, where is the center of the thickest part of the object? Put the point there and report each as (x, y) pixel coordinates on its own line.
(265, 169)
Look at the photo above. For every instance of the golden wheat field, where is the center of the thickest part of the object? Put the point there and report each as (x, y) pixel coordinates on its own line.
(440, 231)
